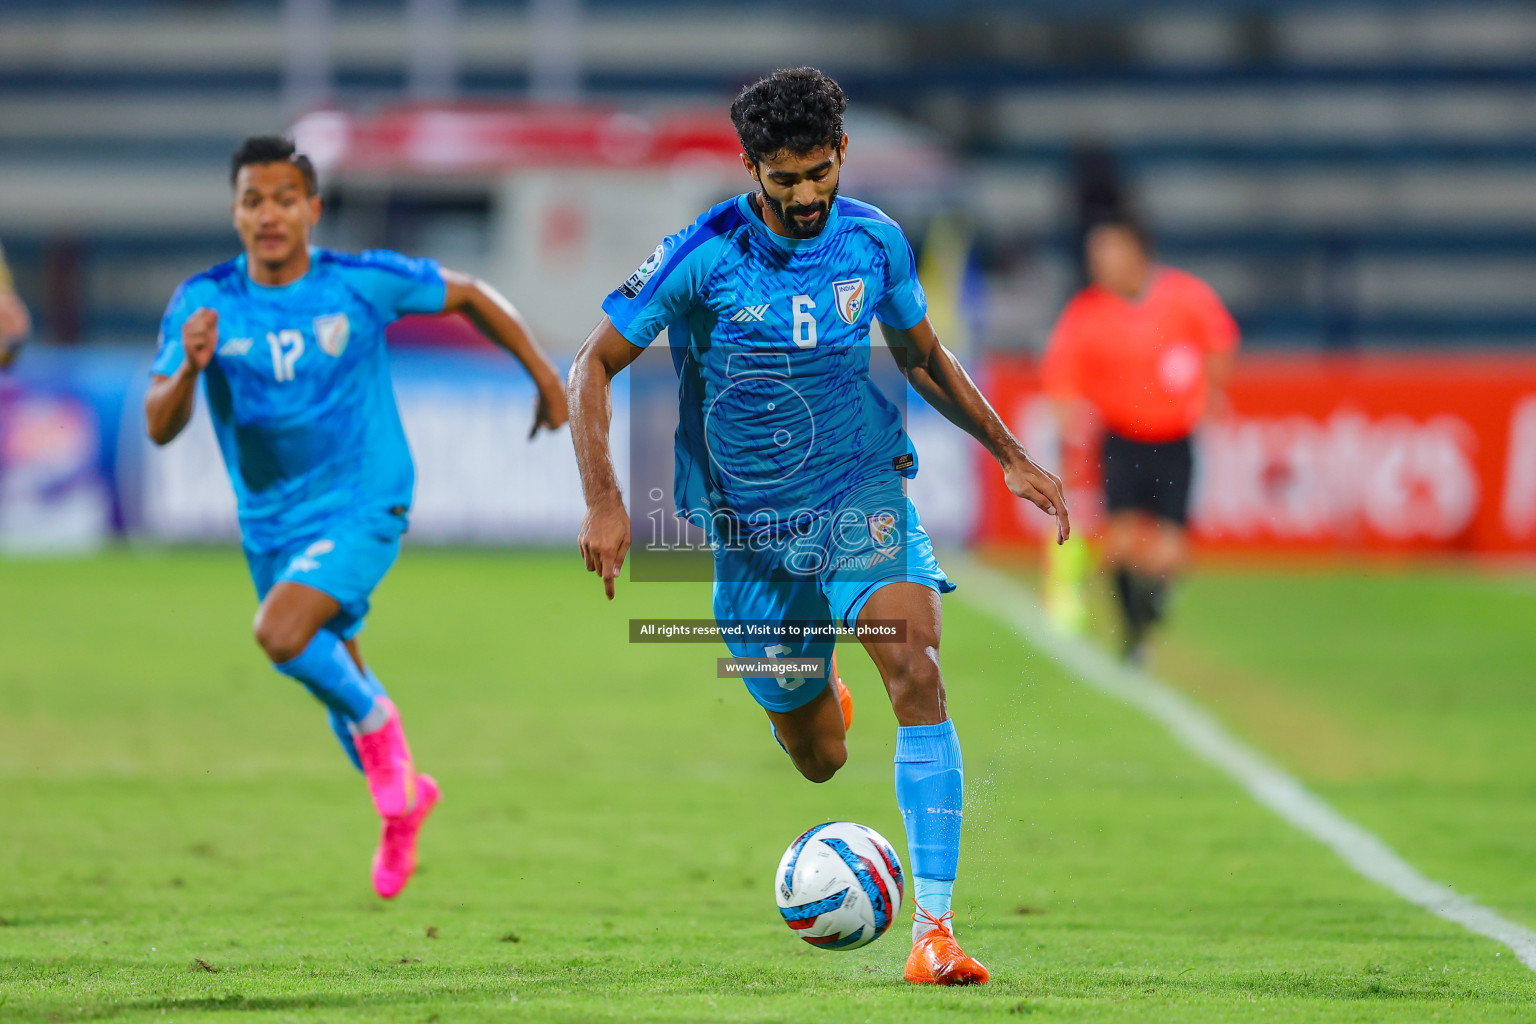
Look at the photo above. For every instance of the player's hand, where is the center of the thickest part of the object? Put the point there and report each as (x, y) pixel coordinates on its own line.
(604, 541)
(549, 409)
(199, 337)
(1032, 482)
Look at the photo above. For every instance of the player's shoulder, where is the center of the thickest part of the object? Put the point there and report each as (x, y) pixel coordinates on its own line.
(866, 215)
(383, 260)
(1092, 304)
(220, 279)
(719, 221)
(1184, 283)
(701, 240)
(876, 224)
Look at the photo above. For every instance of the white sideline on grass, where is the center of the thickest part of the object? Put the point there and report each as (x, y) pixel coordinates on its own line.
(1003, 598)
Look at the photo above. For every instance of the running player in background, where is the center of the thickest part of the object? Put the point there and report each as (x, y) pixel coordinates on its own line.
(795, 462)
(289, 342)
(15, 324)
(1146, 349)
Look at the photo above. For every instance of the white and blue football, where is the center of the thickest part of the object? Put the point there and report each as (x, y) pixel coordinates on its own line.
(839, 885)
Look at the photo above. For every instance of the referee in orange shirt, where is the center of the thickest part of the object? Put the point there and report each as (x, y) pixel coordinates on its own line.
(1148, 349)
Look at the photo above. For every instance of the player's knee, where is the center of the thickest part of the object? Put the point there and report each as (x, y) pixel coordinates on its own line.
(822, 761)
(915, 685)
(281, 641)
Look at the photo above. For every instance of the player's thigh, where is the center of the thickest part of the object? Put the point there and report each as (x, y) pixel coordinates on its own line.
(813, 730)
(877, 539)
(884, 576)
(750, 597)
(289, 617)
(347, 561)
(909, 663)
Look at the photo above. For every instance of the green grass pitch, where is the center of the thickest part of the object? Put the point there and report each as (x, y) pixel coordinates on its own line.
(180, 839)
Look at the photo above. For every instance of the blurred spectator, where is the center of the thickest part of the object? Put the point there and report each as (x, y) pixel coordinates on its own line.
(15, 323)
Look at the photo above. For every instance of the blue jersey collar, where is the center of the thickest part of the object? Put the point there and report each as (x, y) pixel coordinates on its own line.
(752, 217)
(276, 290)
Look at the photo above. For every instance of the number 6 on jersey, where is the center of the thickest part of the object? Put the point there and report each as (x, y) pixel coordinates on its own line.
(804, 321)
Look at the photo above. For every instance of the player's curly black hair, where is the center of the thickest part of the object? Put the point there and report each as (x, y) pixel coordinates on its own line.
(793, 110)
(273, 149)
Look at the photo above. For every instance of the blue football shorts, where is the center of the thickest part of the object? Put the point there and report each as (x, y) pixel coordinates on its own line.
(345, 557)
(822, 569)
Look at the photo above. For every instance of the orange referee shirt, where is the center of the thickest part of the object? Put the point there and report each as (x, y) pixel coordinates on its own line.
(1140, 364)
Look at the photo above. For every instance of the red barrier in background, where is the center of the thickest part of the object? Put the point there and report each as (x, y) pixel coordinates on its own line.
(1376, 453)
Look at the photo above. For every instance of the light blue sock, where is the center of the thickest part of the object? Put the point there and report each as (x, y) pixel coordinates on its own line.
(933, 895)
(343, 729)
(930, 780)
(328, 671)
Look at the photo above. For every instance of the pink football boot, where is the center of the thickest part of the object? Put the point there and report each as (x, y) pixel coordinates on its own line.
(387, 764)
(395, 860)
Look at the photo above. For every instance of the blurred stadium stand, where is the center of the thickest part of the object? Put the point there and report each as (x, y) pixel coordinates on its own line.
(1348, 175)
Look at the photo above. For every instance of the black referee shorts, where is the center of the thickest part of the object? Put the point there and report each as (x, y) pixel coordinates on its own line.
(1151, 477)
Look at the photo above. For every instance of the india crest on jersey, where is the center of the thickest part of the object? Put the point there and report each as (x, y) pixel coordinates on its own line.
(333, 332)
(883, 529)
(850, 298)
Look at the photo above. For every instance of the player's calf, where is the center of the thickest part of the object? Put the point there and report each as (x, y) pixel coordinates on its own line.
(913, 681)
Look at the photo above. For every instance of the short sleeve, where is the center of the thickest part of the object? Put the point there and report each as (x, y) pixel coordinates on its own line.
(1217, 330)
(663, 288)
(169, 353)
(398, 284)
(903, 304)
(1059, 372)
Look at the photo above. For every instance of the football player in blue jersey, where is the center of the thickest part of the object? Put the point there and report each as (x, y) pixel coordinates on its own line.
(794, 460)
(288, 340)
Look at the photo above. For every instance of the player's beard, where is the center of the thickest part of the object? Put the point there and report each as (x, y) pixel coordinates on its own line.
(786, 214)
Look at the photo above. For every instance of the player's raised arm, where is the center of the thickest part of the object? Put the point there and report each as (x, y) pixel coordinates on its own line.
(168, 405)
(499, 320)
(604, 537)
(937, 375)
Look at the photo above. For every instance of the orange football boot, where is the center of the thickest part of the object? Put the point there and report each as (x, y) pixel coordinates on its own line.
(937, 958)
(844, 697)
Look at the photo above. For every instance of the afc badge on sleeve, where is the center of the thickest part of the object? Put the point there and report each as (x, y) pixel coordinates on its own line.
(636, 284)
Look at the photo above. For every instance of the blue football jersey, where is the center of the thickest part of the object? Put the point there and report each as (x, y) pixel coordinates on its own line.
(771, 338)
(299, 385)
